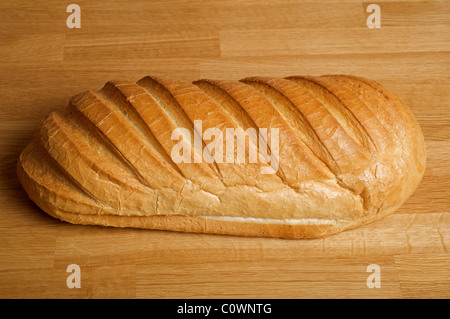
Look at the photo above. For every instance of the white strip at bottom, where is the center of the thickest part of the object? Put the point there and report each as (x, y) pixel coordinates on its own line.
(289, 221)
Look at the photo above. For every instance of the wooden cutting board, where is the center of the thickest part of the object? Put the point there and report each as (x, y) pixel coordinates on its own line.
(43, 63)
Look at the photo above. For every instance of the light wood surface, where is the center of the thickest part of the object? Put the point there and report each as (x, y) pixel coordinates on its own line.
(43, 63)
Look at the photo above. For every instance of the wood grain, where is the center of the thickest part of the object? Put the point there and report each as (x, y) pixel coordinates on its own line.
(43, 63)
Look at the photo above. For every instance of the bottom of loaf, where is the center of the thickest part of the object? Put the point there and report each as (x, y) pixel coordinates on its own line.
(223, 225)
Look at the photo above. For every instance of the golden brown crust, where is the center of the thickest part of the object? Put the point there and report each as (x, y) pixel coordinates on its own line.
(350, 152)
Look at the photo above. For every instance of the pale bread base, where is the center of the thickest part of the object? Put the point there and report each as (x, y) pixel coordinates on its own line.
(248, 227)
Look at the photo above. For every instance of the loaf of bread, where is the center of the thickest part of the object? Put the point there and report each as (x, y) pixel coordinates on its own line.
(295, 157)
